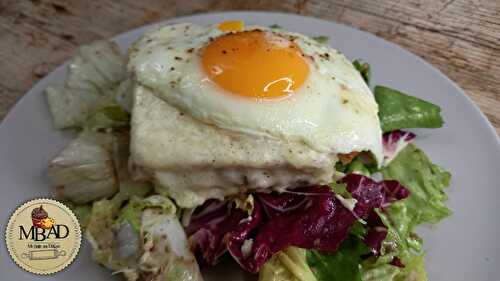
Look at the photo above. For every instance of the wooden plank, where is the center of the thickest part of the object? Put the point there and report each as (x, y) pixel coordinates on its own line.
(460, 37)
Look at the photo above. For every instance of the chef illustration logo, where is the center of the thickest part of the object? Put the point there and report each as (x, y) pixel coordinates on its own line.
(43, 236)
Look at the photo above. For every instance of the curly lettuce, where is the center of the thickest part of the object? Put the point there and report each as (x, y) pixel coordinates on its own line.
(141, 236)
(427, 183)
(112, 239)
(414, 270)
(426, 204)
(401, 255)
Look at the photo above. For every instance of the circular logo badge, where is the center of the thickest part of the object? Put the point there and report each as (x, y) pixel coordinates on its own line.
(43, 236)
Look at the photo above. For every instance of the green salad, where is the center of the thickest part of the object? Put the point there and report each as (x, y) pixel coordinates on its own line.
(362, 226)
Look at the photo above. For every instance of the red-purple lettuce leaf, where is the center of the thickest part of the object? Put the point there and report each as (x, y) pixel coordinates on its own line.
(368, 189)
(376, 233)
(394, 142)
(309, 217)
(208, 226)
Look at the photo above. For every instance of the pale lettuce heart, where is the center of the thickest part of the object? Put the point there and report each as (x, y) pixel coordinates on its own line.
(84, 171)
(93, 81)
(166, 252)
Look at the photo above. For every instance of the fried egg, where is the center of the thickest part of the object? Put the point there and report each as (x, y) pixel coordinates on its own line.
(262, 82)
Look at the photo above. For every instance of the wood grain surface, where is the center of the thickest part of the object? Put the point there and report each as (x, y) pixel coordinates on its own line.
(460, 37)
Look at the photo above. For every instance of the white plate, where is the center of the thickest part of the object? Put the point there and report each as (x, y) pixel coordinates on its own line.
(464, 247)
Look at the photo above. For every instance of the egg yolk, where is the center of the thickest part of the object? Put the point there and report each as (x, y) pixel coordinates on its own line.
(255, 64)
(231, 25)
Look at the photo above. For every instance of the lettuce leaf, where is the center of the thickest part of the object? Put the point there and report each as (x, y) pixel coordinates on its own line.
(426, 182)
(102, 227)
(321, 39)
(399, 111)
(394, 142)
(111, 116)
(133, 210)
(140, 237)
(82, 213)
(341, 265)
(70, 107)
(94, 166)
(383, 272)
(364, 69)
(426, 204)
(357, 166)
(165, 249)
(401, 239)
(99, 231)
(414, 270)
(93, 82)
(84, 170)
(287, 265)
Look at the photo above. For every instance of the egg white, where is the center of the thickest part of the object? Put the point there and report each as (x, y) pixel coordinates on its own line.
(332, 112)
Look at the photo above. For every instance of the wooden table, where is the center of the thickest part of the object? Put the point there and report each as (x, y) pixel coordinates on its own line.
(460, 37)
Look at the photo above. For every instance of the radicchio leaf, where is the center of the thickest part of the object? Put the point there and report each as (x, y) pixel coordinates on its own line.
(394, 142)
(309, 217)
(370, 193)
(369, 189)
(376, 234)
(208, 226)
